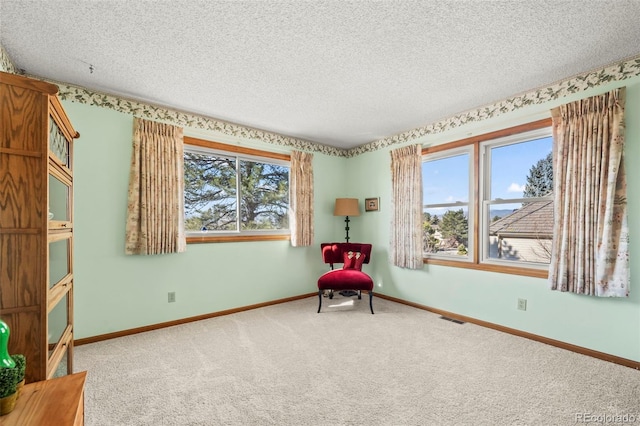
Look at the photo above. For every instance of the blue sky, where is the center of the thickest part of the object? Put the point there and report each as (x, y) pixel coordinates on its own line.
(446, 180)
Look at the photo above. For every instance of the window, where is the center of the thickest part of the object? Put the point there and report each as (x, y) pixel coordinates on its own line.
(489, 202)
(446, 192)
(517, 201)
(234, 194)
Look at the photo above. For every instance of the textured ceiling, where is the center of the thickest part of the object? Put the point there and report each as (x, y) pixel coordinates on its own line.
(340, 73)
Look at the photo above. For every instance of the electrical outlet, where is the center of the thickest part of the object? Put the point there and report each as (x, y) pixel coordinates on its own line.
(172, 296)
(522, 304)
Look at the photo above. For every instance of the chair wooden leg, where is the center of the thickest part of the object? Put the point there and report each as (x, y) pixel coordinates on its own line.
(370, 301)
(319, 300)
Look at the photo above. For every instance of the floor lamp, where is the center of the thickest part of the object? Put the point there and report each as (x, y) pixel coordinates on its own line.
(346, 207)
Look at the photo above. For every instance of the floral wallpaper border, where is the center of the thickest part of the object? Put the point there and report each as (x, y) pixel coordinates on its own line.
(151, 112)
(6, 64)
(616, 72)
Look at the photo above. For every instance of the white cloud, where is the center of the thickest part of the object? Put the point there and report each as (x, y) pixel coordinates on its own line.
(514, 187)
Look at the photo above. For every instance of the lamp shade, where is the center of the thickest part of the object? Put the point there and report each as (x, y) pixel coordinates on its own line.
(346, 207)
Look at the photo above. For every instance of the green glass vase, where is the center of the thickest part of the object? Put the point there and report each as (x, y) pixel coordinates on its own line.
(5, 359)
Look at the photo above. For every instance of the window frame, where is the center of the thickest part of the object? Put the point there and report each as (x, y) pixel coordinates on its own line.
(487, 200)
(442, 155)
(475, 229)
(240, 153)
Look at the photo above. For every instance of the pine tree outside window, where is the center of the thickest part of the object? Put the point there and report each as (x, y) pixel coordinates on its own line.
(234, 196)
(517, 215)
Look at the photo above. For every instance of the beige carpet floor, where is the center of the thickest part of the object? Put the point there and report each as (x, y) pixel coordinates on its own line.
(288, 365)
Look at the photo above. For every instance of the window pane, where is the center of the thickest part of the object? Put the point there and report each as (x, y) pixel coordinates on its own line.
(57, 322)
(59, 255)
(265, 196)
(521, 232)
(522, 170)
(446, 180)
(446, 231)
(59, 194)
(58, 144)
(210, 193)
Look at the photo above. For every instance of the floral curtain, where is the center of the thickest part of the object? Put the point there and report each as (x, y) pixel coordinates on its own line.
(591, 237)
(406, 214)
(155, 211)
(301, 205)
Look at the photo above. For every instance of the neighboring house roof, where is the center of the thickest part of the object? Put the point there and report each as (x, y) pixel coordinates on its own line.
(532, 219)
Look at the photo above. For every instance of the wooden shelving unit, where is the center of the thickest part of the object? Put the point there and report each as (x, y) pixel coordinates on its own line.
(36, 251)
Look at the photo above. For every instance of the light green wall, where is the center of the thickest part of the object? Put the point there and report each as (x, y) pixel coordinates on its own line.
(115, 292)
(608, 325)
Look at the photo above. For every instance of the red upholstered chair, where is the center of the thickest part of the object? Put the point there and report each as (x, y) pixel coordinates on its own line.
(350, 276)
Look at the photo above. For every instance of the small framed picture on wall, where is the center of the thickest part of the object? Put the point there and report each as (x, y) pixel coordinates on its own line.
(372, 204)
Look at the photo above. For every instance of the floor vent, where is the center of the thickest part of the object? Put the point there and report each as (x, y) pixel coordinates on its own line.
(452, 320)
